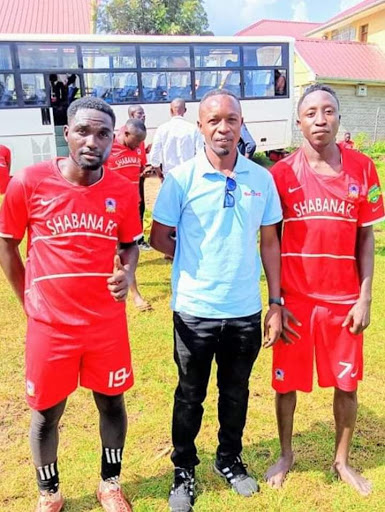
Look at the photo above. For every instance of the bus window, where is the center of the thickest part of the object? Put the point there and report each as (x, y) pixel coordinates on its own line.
(112, 87)
(154, 86)
(262, 55)
(7, 90)
(33, 86)
(215, 56)
(164, 56)
(232, 82)
(206, 81)
(5, 57)
(108, 56)
(259, 83)
(47, 56)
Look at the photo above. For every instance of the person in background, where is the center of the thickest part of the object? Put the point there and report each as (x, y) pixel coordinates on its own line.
(5, 168)
(246, 144)
(128, 159)
(175, 141)
(137, 112)
(347, 143)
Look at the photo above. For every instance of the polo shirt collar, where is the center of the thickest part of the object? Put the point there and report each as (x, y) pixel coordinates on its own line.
(203, 166)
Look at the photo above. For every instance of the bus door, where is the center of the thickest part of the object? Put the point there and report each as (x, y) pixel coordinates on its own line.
(61, 89)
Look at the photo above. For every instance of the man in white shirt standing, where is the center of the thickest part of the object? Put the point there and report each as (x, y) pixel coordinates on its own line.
(175, 141)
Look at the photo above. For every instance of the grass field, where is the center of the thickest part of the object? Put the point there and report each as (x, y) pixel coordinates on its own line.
(147, 471)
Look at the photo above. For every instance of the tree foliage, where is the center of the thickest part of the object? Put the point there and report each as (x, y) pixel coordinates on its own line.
(152, 17)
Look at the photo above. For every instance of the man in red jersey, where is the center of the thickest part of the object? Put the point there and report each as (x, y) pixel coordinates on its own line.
(128, 158)
(82, 223)
(331, 197)
(137, 112)
(5, 168)
(347, 143)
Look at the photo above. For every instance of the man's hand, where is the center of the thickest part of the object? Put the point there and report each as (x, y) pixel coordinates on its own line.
(358, 316)
(272, 325)
(287, 316)
(120, 281)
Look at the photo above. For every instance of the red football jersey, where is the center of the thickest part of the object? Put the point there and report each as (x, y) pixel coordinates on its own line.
(321, 216)
(73, 233)
(5, 167)
(127, 162)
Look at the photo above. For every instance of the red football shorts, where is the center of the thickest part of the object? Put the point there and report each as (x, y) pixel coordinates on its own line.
(338, 352)
(59, 358)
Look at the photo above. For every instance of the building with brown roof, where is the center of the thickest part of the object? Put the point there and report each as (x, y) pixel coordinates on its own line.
(346, 52)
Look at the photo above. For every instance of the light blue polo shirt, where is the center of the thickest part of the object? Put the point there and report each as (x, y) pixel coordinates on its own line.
(216, 269)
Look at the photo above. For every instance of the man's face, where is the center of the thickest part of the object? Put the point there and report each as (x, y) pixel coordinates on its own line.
(89, 135)
(319, 118)
(139, 114)
(132, 140)
(220, 121)
(347, 137)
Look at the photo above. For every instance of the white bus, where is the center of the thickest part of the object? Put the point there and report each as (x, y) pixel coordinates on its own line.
(41, 74)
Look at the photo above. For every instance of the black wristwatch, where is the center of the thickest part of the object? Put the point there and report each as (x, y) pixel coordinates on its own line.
(276, 300)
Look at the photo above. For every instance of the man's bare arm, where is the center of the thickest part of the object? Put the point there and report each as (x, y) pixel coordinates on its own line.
(160, 238)
(12, 265)
(271, 259)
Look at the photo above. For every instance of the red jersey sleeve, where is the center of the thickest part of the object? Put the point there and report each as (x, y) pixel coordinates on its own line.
(130, 228)
(14, 211)
(372, 205)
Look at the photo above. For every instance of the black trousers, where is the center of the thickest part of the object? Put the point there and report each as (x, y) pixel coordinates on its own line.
(235, 343)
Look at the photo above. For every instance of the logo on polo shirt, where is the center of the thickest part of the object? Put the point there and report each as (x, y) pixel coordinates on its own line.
(252, 193)
(30, 388)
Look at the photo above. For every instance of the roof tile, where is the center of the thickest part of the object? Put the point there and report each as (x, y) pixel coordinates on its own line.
(45, 16)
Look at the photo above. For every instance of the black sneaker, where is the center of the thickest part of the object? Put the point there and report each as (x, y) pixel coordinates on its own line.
(237, 476)
(182, 494)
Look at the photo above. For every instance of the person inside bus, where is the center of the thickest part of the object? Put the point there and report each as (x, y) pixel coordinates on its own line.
(279, 83)
(72, 90)
(58, 92)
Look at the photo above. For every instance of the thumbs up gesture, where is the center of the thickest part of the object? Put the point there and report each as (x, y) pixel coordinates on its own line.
(119, 283)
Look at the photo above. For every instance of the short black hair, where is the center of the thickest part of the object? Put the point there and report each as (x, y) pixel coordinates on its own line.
(137, 125)
(90, 103)
(219, 92)
(314, 88)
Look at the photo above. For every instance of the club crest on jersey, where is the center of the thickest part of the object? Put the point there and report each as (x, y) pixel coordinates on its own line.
(110, 205)
(353, 191)
(279, 374)
(374, 194)
(30, 388)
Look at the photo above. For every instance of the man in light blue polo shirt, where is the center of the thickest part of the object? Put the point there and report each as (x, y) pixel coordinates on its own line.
(218, 202)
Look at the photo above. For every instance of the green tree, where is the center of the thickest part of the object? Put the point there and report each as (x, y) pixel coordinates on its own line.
(152, 17)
